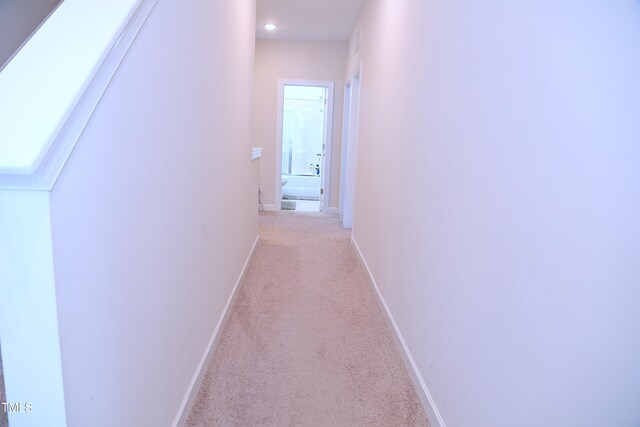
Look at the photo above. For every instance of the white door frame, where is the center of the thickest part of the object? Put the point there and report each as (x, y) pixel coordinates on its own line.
(325, 171)
(345, 144)
(350, 146)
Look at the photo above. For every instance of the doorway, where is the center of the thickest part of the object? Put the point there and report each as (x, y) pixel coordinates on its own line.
(350, 148)
(304, 143)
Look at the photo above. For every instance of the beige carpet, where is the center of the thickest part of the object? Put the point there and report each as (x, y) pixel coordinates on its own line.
(306, 343)
(4, 422)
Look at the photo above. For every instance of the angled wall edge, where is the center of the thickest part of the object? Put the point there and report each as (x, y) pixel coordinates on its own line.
(45, 109)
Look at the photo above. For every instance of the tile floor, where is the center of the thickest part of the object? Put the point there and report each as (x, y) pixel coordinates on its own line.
(301, 205)
(307, 206)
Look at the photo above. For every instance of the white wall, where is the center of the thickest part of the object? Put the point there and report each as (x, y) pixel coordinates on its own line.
(155, 214)
(497, 203)
(18, 19)
(296, 61)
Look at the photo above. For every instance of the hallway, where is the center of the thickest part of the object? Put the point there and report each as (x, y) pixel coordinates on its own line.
(486, 156)
(306, 343)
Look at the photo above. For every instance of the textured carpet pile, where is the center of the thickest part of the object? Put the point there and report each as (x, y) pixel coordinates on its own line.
(306, 343)
(4, 421)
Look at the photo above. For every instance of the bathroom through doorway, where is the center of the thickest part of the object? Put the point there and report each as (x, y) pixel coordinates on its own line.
(304, 141)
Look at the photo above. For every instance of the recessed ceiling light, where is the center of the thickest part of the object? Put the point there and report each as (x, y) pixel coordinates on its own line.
(270, 27)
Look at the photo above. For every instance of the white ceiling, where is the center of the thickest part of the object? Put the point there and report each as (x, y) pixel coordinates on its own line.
(307, 20)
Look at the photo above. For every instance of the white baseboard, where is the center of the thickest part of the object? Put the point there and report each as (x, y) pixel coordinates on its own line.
(416, 378)
(201, 370)
(332, 210)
